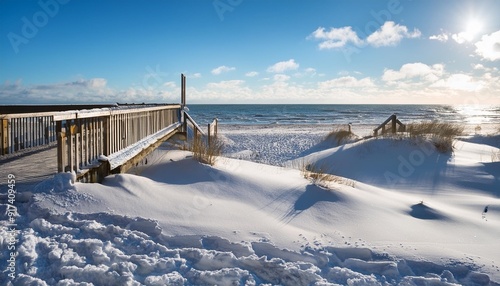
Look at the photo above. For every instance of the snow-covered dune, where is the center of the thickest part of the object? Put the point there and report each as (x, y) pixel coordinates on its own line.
(410, 216)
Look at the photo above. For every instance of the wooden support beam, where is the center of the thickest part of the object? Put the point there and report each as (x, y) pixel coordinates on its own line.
(394, 120)
(4, 136)
(209, 137)
(60, 147)
(183, 90)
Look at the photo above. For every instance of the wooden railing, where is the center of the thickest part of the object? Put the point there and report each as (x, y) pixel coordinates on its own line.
(86, 136)
(394, 123)
(212, 131)
(189, 122)
(98, 141)
(26, 130)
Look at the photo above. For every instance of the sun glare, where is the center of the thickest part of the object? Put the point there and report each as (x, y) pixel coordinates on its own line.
(473, 26)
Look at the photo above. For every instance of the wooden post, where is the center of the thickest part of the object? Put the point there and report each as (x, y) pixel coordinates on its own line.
(71, 146)
(104, 136)
(33, 132)
(394, 120)
(184, 121)
(4, 136)
(77, 152)
(60, 146)
(216, 131)
(40, 130)
(46, 139)
(183, 90)
(209, 137)
(183, 103)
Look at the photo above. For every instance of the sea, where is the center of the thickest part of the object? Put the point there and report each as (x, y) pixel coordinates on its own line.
(275, 134)
(263, 114)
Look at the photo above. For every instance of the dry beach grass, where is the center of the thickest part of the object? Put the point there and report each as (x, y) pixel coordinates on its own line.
(206, 151)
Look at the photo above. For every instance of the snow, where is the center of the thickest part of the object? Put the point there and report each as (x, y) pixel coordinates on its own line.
(413, 216)
(121, 157)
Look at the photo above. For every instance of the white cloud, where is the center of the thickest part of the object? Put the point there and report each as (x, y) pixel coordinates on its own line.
(224, 91)
(443, 37)
(462, 37)
(252, 74)
(170, 84)
(409, 83)
(472, 30)
(94, 83)
(97, 82)
(310, 70)
(336, 37)
(281, 77)
(284, 66)
(85, 91)
(478, 67)
(489, 46)
(196, 75)
(226, 84)
(221, 69)
(391, 34)
(347, 82)
(460, 82)
(414, 70)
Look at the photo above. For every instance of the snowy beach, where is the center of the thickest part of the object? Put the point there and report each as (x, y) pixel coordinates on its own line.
(231, 142)
(402, 214)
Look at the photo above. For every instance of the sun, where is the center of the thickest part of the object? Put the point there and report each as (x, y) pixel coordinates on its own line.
(473, 26)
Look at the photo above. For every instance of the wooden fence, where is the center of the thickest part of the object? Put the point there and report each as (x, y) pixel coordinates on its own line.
(188, 122)
(26, 130)
(212, 131)
(84, 137)
(394, 125)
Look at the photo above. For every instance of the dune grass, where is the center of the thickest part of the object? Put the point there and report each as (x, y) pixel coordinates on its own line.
(206, 151)
(318, 176)
(341, 136)
(495, 156)
(442, 135)
(434, 128)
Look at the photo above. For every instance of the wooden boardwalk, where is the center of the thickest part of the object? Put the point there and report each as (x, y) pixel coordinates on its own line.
(36, 142)
(30, 168)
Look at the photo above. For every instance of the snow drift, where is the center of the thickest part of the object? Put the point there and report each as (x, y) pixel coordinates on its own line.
(412, 217)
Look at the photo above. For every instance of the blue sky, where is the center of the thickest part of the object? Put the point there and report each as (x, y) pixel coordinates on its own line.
(250, 51)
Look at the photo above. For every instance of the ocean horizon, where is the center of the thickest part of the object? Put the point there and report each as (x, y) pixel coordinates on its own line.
(259, 114)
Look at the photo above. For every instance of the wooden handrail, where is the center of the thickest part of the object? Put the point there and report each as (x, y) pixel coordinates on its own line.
(22, 131)
(84, 136)
(394, 122)
(25, 115)
(88, 113)
(195, 125)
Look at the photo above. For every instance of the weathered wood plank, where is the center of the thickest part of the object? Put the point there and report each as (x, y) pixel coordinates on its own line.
(4, 136)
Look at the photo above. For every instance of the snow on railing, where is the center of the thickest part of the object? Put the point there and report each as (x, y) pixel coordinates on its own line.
(87, 138)
(84, 136)
(21, 131)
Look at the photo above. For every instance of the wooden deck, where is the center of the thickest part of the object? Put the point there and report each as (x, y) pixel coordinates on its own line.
(30, 168)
